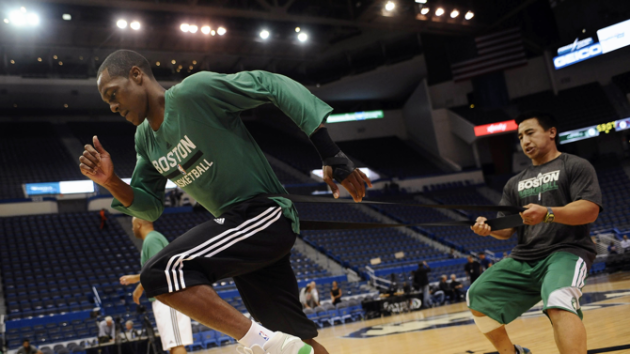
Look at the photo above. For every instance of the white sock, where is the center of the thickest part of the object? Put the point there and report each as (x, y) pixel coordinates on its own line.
(257, 334)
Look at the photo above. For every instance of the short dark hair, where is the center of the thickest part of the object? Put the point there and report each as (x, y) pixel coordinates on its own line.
(120, 62)
(546, 120)
(26, 340)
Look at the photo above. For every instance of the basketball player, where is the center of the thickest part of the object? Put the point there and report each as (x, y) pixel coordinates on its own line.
(192, 134)
(174, 327)
(561, 196)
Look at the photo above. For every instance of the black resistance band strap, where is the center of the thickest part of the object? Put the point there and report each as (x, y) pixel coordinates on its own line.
(496, 224)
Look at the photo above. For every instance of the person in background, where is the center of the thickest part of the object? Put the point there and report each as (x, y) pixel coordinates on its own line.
(130, 333)
(446, 287)
(612, 249)
(456, 288)
(473, 269)
(306, 297)
(27, 348)
(421, 282)
(107, 329)
(485, 262)
(314, 292)
(335, 293)
(625, 244)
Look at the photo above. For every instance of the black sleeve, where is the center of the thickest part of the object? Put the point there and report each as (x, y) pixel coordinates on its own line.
(583, 182)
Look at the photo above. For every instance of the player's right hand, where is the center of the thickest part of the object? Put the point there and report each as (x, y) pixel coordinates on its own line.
(96, 164)
(480, 227)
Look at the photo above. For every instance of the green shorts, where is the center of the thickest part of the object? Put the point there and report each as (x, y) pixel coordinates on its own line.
(510, 287)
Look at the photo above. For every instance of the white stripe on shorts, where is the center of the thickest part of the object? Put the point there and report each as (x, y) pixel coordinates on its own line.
(176, 263)
(579, 273)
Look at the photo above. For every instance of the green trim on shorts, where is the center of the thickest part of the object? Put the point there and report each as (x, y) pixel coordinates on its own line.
(511, 287)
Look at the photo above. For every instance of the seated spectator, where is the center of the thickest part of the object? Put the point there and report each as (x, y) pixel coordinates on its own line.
(612, 249)
(456, 288)
(445, 287)
(130, 333)
(406, 288)
(307, 299)
(485, 262)
(106, 330)
(625, 244)
(314, 292)
(335, 293)
(27, 348)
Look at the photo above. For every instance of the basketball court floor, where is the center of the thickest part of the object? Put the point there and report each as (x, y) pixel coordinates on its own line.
(450, 329)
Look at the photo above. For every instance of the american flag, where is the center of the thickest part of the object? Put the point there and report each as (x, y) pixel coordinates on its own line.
(495, 52)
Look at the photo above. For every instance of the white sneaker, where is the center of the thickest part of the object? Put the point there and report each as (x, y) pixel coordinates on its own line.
(282, 343)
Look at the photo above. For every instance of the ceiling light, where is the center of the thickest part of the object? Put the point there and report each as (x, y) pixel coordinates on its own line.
(12, 61)
(390, 6)
(184, 27)
(121, 24)
(469, 15)
(297, 29)
(190, 68)
(135, 25)
(194, 62)
(205, 29)
(157, 63)
(66, 17)
(173, 62)
(425, 10)
(213, 32)
(39, 59)
(221, 31)
(302, 37)
(264, 34)
(6, 20)
(55, 56)
(421, 1)
(439, 12)
(23, 9)
(32, 19)
(17, 18)
(454, 13)
(193, 29)
(60, 63)
(65, 105)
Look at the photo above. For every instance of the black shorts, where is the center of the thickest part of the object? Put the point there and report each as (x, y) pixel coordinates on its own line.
(250, 243)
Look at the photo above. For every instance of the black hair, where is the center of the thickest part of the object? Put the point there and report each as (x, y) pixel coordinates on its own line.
(120, 62)
(26, 340)
(546, 120)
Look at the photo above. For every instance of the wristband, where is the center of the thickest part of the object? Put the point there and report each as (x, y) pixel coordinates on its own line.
(332, 155)
(325, 146)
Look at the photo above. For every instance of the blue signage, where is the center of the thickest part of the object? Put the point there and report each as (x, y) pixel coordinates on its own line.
(42, 188)
(576, 55)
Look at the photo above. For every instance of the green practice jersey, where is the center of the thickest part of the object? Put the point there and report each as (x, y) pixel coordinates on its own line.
(204, 147)
(153, 243)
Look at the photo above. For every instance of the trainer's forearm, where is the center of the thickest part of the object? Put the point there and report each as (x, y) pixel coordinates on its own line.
(503, 234)
(120, 190)
(580, 212)
(135, 278)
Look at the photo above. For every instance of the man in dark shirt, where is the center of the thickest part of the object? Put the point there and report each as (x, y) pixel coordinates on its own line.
(446, 287)
(456, 288)
(561, 198)
(26, 348)
(473, 269)
(421, 282)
